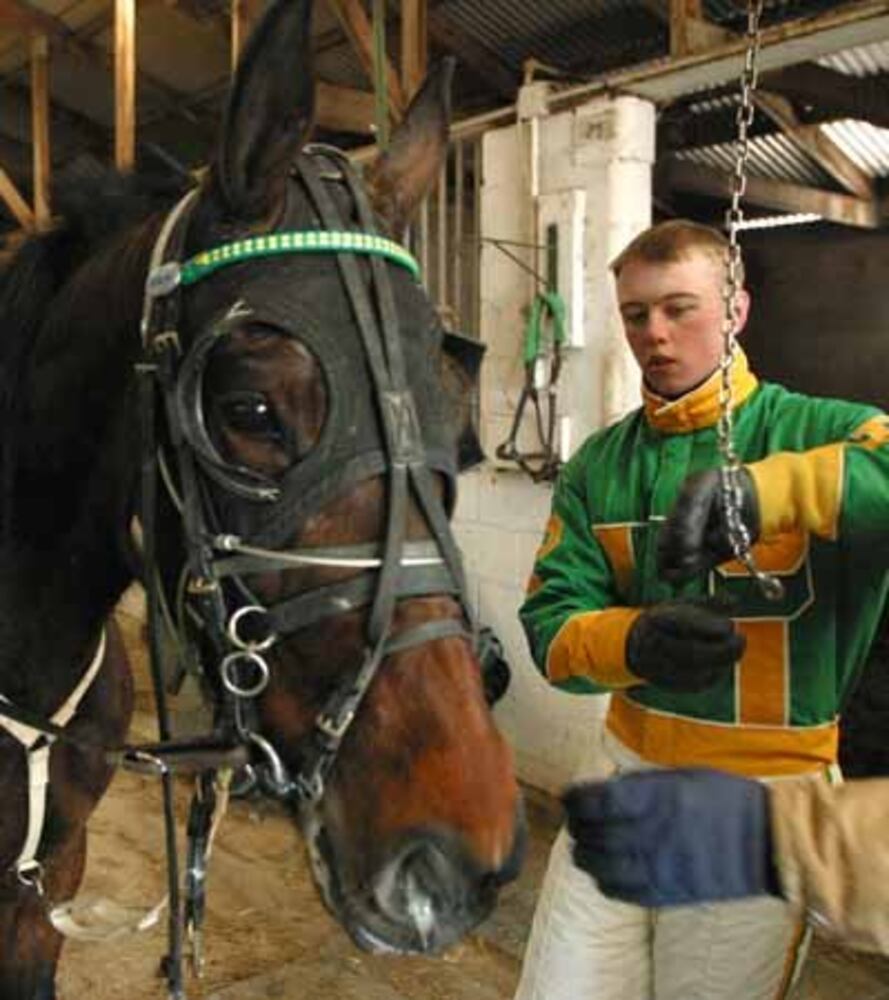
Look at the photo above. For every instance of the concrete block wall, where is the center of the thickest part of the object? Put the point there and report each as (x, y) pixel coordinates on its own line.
(605, 148)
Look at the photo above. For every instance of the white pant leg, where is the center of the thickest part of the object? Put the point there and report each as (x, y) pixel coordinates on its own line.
(584, 946)
(748, 949)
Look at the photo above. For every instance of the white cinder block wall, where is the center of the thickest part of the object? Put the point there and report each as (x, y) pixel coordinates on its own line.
(605, 148)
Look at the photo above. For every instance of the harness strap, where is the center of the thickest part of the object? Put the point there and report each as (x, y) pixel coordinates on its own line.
(37, 746)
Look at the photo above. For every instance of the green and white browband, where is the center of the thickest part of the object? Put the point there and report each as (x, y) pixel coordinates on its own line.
(303, 241)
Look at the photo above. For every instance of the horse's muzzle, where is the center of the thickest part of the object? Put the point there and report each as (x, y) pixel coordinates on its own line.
(425, 895)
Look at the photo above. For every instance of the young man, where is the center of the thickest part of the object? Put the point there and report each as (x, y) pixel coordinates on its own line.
(705, 671)
(668, 838)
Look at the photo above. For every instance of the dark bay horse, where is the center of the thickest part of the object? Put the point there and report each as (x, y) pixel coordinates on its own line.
(272, 409)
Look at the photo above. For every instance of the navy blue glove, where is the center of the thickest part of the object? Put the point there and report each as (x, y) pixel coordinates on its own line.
(664, 838)
(694, 538)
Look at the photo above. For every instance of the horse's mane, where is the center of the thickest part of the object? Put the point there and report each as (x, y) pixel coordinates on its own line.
(94, 205)
(85, 261)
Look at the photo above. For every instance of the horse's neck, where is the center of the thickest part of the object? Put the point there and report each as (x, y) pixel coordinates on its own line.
(49, 624)
(69, 484)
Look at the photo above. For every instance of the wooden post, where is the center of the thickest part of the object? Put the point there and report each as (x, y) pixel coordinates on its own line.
(15, 202)
(414, 45)
(40, 128)
(682, 12)
(124, 84)
(243, 17)
(357, 27)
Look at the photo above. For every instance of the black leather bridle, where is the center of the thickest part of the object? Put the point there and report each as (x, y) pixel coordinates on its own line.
(213, 596)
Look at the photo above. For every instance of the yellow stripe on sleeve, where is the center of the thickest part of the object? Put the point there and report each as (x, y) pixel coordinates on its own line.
(592, 644)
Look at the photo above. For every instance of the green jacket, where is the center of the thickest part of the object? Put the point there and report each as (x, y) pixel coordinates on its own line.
(825, 514)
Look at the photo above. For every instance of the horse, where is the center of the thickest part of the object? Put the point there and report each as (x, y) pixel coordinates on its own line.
(253, 374)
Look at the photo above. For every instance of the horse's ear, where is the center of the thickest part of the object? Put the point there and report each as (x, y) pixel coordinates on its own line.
(401, 177)
(269, 112)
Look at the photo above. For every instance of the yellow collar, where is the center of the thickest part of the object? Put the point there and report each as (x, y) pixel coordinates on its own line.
(699, 407)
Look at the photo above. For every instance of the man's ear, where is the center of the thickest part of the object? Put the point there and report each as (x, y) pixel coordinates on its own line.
(401, 177)
(742, 309)
(269, 112)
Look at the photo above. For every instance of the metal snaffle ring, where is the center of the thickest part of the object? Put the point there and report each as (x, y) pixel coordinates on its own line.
(229, 671)
(243, 642)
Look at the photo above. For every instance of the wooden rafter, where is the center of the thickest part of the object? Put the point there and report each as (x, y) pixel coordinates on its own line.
(35, 20)
(830, 94)
(486, 64)
(124, 84)
(344, 109)
(15, 202)
(673, 176)
(356, 24)
(414, 44)
(816, 144)
(40, 128)
(690, 31)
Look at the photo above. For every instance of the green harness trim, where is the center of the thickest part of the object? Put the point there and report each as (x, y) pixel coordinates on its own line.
(302, 241)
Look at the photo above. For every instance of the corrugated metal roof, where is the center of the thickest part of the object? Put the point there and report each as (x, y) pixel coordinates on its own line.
(866, 145)
(866, 60)
(571, 34)
(773, 156)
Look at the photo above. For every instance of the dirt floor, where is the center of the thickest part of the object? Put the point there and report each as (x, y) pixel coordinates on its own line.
(268, 936)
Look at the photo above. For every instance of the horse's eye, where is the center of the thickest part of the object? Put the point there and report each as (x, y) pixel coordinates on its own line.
(250, 413)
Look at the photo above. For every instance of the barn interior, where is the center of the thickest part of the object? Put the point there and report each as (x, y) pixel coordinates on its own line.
(576, 123)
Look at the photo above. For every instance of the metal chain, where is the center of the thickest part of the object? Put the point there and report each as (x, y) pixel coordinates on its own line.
(738, 533)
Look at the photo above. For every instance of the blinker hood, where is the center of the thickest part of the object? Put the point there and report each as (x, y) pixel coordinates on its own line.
(302, 304)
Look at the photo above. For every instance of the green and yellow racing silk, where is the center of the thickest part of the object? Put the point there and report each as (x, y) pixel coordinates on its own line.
(821, 467)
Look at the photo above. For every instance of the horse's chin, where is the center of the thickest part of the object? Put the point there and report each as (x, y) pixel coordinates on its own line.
(357, 911)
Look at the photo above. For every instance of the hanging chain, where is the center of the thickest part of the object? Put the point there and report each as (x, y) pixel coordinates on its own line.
(738, 533)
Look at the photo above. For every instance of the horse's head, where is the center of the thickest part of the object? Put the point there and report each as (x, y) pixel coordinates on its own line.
(313, 454)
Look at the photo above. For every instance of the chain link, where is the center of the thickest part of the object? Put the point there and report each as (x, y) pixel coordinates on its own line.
(738, 533)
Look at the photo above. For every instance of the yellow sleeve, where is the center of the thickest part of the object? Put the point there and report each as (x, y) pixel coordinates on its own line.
(592, 644)
(829, 489)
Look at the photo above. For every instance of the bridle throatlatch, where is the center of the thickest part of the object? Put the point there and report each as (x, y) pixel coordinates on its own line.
(212, 608)
(732, 497)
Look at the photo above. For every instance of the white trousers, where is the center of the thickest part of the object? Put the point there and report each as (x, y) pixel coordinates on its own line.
(584, 946)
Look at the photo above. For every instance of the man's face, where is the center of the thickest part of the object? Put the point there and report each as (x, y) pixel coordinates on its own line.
(673, 315)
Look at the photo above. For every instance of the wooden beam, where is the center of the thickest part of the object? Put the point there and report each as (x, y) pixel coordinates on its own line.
(812, 141)
(487, 65)
(124, 84)
(40, 128)
(21, 14)
(692, 178)
(414, 45)
(850, 24)
(356, 24)
(825, 94)
(344, 109)
(690, 31)
(15, 202)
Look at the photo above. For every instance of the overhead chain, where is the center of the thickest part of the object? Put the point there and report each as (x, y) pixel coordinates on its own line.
(738, 532)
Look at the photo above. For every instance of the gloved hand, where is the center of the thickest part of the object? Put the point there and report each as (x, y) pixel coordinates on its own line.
(683, 645)
(665, 838)
(695, 537)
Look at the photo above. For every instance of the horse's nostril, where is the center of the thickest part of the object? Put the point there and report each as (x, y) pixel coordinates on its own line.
(420, 887)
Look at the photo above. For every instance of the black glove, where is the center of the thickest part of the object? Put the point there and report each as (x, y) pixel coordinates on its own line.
(683, 645)
(694, 537)
(665, 838)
